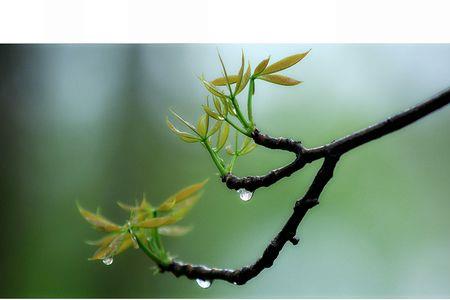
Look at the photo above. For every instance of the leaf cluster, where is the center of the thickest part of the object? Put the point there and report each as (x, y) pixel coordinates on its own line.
(225, 113)
(145, 225)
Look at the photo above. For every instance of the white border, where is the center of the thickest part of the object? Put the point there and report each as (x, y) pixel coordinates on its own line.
(225, 21)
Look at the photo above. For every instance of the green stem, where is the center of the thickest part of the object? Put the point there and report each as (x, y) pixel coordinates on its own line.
(249, 102)
(214, 157)
(239, 113)
(155, 235)
(233, 160)
(147, 251)
(237, 127)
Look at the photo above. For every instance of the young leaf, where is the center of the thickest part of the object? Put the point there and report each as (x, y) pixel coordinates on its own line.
(212, 113)
(99, 222)
(223, 136)
(174, 230)
(222, 81)
(279, 79)
(167, 205)
(215, 128)
(261, 66)
(229, 150)
(245, 80)
(110, 249)
(183, 121)
(217, 105)
(284, 63)
(202, 125)
(187, 137)
(103, 241)
(156, 222)
(248, 148)
(188, 191)
(212, 89)
(240, 74)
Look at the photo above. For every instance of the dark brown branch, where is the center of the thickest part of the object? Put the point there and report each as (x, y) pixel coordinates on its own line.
(337, 147)
(331, 152)
(241, 276)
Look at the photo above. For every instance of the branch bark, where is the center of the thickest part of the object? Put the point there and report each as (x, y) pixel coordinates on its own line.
(331, 152)
(337, 147)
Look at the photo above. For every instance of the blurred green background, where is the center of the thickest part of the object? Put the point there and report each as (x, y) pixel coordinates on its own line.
(86, 123)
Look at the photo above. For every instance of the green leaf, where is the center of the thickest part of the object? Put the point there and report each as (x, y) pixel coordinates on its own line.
(183, 121)
(284, 63)
(110, 249)
(261, 66)
(222, 81)
(247, 148)
(240, 74)
(212, 113)
(215, 128)
(245, 80)
(229, 150)
(188, 191)
(202, 125)
(223, 136)
(211, 88)
(187, 137)
(190, 138)
(217, 105)
(99, 222)
(279, 79)
(174, 230)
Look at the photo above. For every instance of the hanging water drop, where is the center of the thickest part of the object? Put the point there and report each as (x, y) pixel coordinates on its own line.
(204, 284)
(135, 242)
(108, 260)
(245, 195)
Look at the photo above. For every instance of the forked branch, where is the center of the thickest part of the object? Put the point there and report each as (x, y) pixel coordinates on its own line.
(331, 152)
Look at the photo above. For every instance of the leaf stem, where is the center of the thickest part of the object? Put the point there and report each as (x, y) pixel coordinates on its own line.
(214, 157)
(236, 127)
(249, 102)
(239, 112)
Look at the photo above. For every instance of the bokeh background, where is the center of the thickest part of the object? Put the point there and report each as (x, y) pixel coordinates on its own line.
(86, 123)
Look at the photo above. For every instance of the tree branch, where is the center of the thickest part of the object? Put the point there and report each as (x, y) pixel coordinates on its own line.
(337, 147)
(331, 152)
(287, 233)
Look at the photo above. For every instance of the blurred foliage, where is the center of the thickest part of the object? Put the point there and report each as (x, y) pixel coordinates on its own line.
(86, 123)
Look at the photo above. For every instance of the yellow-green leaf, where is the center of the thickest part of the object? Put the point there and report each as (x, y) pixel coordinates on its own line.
(223, 136)
(98, 221)
(167, 205)
(188, 191)
(279, 79)
(284, 63)
(174, 230)
(215, 128)
(110, 249)
(212, 89)
(189, 138)
(156, 222)
(212, 113)
(217, 105)
(222, 81)
(248, 148)
(183, 135)
(245, 80)
(202, 125)
(229, 150)
(103, 241)
(261, 66)
(240, 74)
(183, 121)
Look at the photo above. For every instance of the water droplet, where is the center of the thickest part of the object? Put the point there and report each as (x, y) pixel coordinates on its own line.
(245, 195)
(204, 284)
(108, 260)
(135, 242)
